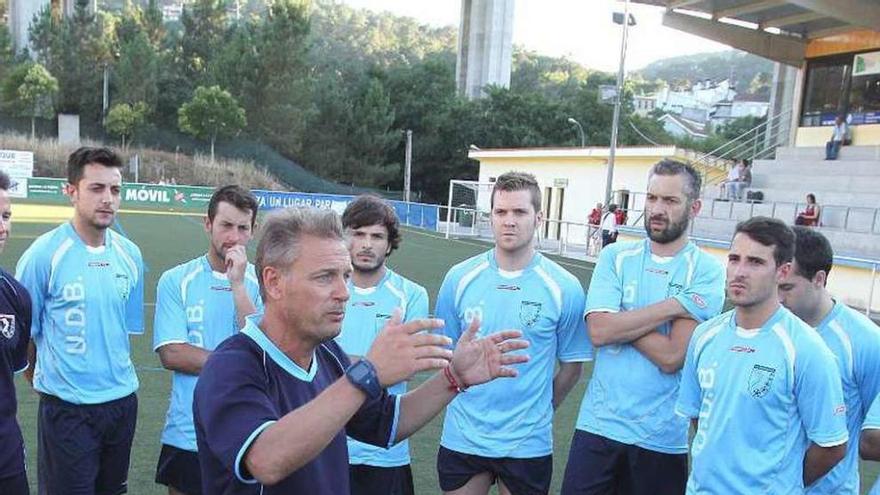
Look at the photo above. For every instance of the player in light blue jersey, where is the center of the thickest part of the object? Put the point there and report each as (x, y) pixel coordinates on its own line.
(199, 304)
(373, 232)
(645, 299)
(761, 386)
(869, 443)
(87, 290)
(852, 337)
(503, 431)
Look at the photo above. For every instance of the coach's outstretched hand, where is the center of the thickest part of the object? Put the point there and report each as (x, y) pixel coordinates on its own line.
(477, 361)
(403, 349)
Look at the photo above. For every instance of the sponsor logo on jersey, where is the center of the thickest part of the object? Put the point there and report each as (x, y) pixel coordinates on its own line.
(123, 285)
(742, 348)
(365, 304)
(699, 301)
(221, 288)
(99, 264)
(7, 325)
(529, 312)
(508, 287)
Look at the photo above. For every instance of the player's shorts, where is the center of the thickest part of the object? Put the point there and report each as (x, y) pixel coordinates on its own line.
(599, 465)
(374, 480)
(17, 484)
(84, 449)
(179, 469)
(529, 476)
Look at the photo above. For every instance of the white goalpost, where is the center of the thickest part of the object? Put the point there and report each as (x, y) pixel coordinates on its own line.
(467, 209)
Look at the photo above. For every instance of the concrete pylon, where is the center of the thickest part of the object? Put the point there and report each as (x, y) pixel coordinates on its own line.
(485, 45)
(21, 14)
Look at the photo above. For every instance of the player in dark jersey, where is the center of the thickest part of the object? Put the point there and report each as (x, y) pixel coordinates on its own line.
(15, 332)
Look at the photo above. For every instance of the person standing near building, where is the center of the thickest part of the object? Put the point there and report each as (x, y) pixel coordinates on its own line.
(87, 290)
(852, 337)
(373, 233)
(644, 301)
(502, 432)
(761, 387)
(609, 226)
(15, 333)
(199, 304)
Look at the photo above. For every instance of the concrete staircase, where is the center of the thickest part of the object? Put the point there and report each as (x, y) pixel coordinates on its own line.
(847, 190)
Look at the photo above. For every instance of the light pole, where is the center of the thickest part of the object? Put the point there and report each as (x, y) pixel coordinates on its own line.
(571, 120)
(626, 21)
(407, 172)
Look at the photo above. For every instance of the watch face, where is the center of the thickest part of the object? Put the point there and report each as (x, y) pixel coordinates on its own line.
(360, 372)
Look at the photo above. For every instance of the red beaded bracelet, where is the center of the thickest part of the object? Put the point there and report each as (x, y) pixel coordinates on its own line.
(453, 384)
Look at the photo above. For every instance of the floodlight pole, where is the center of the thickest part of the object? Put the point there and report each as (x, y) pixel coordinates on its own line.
(616, 121)
(407, 171)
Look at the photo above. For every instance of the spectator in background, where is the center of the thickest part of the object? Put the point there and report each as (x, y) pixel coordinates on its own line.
(609, 226)
(810, 216)
(594, 222)
(838, 136)
(620, 216)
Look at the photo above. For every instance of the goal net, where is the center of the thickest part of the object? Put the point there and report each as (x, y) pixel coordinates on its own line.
(467, 210)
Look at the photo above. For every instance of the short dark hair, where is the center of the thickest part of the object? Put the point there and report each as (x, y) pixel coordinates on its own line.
(812, 252)
(5, 181)
(770, 232)
(811, 197)
(517, 181)
(693, 182)
(86, 156)
(238, 197)
(368, 210)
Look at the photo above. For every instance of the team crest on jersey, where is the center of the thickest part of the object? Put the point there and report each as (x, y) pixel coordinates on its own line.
(529, 312)
(381, 320)
(122, 285)
(7, 325)
(760, 379)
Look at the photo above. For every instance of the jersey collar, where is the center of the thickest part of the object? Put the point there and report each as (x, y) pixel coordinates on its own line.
(253, 331)
(773, 320)
(71, 232)
(831, 316)
(493, 263)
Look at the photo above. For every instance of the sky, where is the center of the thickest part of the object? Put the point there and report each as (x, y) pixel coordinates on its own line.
(579, 29)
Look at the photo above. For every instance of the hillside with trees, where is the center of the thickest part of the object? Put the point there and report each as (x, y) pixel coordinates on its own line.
(293, 83)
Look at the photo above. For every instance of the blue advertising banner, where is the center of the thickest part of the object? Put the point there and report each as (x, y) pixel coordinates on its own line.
(413, 214)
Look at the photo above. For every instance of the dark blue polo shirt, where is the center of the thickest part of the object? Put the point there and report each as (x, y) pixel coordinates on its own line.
(246, 386)
(15, 333)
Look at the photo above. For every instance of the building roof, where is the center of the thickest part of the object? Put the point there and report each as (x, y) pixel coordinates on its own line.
(692, 128)
(774, 29)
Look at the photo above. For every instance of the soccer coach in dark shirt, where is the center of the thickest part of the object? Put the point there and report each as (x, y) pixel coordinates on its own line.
(274, 403)
(15, 333)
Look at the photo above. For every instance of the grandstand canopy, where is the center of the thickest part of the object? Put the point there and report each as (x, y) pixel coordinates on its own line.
(779, 30)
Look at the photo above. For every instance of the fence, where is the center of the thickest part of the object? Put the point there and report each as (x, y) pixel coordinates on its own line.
(193, 198)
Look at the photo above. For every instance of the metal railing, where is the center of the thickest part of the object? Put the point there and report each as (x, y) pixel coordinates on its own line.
(759, 142)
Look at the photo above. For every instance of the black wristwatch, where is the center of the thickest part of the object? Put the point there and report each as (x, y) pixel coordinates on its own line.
(362, 375)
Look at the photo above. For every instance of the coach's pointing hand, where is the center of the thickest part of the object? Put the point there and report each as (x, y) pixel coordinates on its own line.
(404, 349)
(477, 361)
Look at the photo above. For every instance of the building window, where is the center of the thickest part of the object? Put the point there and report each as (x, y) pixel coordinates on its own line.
(864, 98)
(826, 91)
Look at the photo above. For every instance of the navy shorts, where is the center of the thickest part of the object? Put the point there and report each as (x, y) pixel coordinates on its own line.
(179, 469)
(84, 448)
(521, 476)
(599, 465)
(16, 484)
(374, 480)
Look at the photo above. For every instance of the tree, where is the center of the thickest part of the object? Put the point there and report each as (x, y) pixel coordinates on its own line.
(28, 91)
(212, 112)
(136, 72)
(124, 120)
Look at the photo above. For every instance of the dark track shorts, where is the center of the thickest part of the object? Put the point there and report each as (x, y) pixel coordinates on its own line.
(521, 476)
(375, 480)
(599, 465)
(179, 469)
(84, 449)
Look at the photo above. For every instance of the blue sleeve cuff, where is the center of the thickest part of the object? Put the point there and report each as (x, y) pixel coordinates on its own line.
(391, 440)
(243, 450)
(693, 304)
(833, 441)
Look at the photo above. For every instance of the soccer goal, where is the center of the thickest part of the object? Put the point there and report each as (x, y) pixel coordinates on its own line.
(467, 210)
